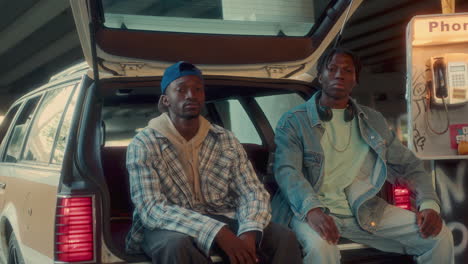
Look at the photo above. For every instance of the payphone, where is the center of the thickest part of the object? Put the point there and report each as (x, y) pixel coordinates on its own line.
(449, 79)
(437, 85)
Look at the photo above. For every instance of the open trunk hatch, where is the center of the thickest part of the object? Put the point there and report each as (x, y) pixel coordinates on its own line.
(261, 38)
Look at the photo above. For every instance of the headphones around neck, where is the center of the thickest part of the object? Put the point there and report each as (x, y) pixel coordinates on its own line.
(326, 114)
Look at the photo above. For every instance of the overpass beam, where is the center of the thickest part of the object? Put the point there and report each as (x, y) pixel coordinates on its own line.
(55, 49)
(36, 16)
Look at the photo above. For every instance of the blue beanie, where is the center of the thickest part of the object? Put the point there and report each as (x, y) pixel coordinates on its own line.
(173, 72)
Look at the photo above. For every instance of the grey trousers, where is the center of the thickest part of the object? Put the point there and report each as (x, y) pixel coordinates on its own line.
(279, 245)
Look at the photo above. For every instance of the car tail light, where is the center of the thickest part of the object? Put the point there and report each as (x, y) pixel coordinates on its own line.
(74, 232)
(401, 197)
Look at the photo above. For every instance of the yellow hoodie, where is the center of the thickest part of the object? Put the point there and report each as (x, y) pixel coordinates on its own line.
(187, 151)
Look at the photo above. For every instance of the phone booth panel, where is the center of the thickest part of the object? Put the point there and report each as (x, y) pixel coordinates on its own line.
(437, 96)
(437, 86)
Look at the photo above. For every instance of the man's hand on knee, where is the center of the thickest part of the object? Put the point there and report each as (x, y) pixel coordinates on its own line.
(249, 238)
(429, 222)
(324, 225)
(239, 250)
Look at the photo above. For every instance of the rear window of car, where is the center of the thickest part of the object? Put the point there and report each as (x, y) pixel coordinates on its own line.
(232, 17)
(122, 122)
(274, 106)
(235, 118)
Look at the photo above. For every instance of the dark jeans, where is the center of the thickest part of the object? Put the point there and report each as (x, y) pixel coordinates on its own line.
(279, 245)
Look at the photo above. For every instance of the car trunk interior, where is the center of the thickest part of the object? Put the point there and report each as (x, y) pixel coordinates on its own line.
(128, 105)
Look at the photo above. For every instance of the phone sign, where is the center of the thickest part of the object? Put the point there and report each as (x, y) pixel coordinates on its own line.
(458, 133)
(443, 29)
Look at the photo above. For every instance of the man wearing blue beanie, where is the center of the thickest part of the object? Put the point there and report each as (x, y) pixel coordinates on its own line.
(194, 189)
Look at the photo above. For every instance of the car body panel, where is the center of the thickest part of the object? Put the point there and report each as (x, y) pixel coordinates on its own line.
(34, 196)
(4, 172)
(30, 196)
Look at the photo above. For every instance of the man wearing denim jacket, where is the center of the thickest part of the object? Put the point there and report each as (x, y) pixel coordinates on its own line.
(333, 156)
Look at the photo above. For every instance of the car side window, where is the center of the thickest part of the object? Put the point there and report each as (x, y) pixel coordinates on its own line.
(236, 119)
(274, 106)
(59, 151)
(18, 132)
(44, 127)
(7, 121)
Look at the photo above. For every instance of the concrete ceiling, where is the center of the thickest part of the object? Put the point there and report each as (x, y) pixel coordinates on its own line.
(38, 39)
(378, 28)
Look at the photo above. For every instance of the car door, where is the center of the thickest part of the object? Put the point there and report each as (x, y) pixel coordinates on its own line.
(4, 171)
(13, 144)
(35, 178)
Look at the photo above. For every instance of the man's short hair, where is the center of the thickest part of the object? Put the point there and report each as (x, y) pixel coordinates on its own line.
(325, 59)
(177, 70)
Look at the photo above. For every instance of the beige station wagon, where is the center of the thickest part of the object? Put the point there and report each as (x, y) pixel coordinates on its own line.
(64, 194)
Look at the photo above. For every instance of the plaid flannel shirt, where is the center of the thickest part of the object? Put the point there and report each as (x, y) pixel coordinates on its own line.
(163, 197)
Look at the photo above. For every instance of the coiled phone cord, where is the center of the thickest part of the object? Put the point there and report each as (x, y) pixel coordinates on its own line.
(426, 117)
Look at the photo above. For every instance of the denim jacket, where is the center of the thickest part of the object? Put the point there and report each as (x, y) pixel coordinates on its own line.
(299, 167)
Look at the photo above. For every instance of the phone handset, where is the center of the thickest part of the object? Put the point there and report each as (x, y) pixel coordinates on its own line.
(437, 91)
(440, 80)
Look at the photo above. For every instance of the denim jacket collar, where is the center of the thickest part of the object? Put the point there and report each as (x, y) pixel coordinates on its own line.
(312, 113)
